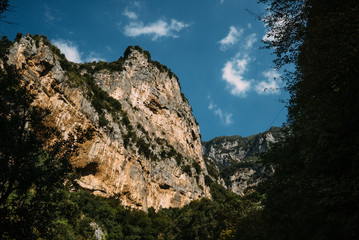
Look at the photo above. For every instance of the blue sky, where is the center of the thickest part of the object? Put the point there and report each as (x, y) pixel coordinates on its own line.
(211, 45)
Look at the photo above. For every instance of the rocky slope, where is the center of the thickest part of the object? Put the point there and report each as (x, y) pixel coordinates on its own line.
(234, 158)
(146, 147)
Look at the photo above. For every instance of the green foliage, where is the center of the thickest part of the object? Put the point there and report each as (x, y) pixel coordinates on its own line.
(127, 52)
(172, 152)
(99, 98)
(187, 169)
(252, 162)
(201, 219)
(33, 171)
(147, 55)
(138, 48)
(157, 64)
(5, 43)
(197, 167)
(144, 148)
(212, 171)
(18, 37)
(115, 66)
(179, 158)
(184, 99)
(102, 121)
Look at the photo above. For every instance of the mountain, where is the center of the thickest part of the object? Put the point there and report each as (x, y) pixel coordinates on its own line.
(232, 160)
(145, 147)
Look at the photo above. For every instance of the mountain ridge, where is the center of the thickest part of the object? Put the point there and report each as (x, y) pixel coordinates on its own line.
(235, 159)
(146, 147)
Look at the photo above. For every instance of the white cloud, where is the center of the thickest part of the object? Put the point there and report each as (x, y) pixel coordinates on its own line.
(48, 16)
(51, 14)
(69, 49)
(233, 73)
(94, 57)
(157, 29)
(225, 117)
(270, 86)
(136, 4)
(250, 40)
(129, 14)
(231, 38)
(222, 1)
(108, 48)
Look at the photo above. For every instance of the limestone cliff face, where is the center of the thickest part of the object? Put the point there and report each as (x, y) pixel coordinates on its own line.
(147, 146)
(235, 158)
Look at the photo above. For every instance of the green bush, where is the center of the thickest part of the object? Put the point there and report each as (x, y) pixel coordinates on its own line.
(187, 169)
(179, 158)
(196, 166)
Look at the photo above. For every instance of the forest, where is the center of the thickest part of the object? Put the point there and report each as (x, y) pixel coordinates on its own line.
(312, 192)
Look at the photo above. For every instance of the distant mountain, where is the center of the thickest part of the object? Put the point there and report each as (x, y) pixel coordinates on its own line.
(233, 161)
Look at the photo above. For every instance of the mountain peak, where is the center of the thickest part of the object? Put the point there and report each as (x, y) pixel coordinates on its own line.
(146, 147)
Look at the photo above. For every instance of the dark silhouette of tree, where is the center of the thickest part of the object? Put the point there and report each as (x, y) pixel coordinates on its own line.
(313, 193)
(4, 6)
(34, 172)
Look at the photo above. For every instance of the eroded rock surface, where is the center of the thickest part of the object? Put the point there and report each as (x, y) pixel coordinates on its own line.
(142, 145)
(234, 157)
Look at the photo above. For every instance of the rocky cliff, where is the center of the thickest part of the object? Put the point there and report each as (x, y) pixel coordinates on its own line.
(235, 161)
(146, 147)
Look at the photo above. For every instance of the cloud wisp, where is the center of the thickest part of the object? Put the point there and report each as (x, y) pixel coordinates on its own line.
(131, 15)
(70, 50)
(94, 57)
(73, 53)
(271, 85)
(156, 30)
(231, 39)
(235, 70)
(250, 40)
(233, 73)
(51, 14)
(225, 117)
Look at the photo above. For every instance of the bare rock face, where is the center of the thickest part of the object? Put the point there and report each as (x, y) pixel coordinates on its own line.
(147, 145)
(234, 157)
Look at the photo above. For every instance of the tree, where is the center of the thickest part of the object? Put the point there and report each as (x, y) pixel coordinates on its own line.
(33, 170)
(4, 6)
(315, 184)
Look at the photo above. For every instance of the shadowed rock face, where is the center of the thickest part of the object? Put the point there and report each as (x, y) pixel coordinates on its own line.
(235, 158)
(140, 146)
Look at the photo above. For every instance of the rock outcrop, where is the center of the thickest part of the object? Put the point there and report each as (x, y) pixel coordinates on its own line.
(146, 147)
(234, 157)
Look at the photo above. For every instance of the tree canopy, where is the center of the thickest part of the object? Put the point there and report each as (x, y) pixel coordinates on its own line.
(315, 184)
(4, 6)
